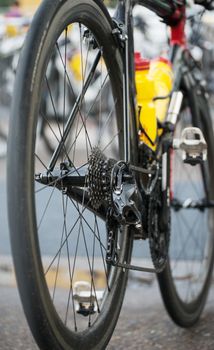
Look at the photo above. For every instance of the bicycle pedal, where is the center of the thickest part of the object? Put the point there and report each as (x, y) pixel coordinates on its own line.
(193, 145)
(86, 299)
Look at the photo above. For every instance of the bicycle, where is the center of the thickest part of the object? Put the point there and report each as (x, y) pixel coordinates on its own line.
(113, 182)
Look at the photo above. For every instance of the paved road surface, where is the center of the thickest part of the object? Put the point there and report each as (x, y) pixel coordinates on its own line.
(143, 324)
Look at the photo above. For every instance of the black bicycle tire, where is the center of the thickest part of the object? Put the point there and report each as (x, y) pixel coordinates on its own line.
(184, 314)
(43, 320)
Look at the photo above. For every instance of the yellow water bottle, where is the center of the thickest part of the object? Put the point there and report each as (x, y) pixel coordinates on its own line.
(146, 107)
(161, 73)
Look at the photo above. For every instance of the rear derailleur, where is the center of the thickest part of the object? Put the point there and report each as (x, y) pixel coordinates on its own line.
(126, 207)
(113, 185)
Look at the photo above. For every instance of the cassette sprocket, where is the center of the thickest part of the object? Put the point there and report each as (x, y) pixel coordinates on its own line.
(99, 178)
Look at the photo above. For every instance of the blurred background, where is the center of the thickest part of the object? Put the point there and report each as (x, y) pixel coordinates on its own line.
(15, 17)
(151, 38)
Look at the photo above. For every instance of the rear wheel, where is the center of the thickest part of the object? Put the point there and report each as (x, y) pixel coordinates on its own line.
(71, 297)
(186, 279)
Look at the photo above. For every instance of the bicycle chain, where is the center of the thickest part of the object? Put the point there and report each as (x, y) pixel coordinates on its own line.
(99, 178)
(158, 241)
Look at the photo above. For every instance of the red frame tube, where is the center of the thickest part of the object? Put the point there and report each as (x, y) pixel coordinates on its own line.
(178, 36)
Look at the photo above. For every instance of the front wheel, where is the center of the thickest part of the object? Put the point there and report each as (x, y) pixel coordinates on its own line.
(71, 297)
(185, 282)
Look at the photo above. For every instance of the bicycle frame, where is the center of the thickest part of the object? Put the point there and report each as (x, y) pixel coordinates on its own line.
(123, 33)
(182, 63)
(176, 18)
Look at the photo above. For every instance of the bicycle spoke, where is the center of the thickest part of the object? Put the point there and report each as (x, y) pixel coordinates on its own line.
(73, 114)
(75, 103)
(76, 117)
(102, 254)
(112, 140)
(57, 120)
(77, 134)
(46, 207)
(39, 159)
(190, 228)
(50, 127)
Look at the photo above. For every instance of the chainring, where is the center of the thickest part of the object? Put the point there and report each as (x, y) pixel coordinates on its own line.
(99, 178)
(158, 240)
